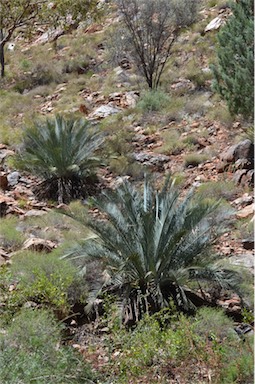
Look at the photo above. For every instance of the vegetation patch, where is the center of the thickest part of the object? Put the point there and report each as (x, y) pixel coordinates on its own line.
(42, 279)
(37, 355)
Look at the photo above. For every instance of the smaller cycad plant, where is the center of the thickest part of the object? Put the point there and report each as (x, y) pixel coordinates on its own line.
(62, 153)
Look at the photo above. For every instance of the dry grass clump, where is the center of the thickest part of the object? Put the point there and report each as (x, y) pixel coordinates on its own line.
(194, 159)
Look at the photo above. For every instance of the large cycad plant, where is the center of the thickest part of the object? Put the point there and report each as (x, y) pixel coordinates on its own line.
(153, 244)
(62, 152)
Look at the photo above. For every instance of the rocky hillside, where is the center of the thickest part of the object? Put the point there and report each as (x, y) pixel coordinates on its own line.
(183, 129)
(191, 135)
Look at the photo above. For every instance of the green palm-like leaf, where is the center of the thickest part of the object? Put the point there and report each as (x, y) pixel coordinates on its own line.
(154, 242)
(62, 152)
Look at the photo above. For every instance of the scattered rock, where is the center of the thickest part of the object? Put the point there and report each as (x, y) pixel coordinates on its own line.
(4, 185)
(13, 178)
(4, 257)
(183, 85)
(30, 304)
(246, 212)
(244, 330)
(125, 63)
(104, 111)
(241, 158)
(248, 178)
(39, 245)
(242, 150)
(214, 24)
(3, 208)
(248, 243)
(244, 260)
(238, 176)
(151, 159)
(34, 212)
(5, 152)
(244, 200)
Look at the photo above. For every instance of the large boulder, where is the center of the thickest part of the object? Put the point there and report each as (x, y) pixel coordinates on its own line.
(239, 158)
(242, 150)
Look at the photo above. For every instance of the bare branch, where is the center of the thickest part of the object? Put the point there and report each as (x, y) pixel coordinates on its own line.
(153, 26)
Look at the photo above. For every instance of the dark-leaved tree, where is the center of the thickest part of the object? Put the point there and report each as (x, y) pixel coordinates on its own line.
(234, 73)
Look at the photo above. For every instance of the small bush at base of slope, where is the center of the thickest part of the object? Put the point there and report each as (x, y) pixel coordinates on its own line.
(31, 352)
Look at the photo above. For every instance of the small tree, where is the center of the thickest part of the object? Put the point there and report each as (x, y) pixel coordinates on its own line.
(153, 26)
(234, 73)
(15, 14)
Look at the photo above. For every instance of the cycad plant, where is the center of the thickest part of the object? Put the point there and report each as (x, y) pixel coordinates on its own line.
(62, 153)
(153, 244)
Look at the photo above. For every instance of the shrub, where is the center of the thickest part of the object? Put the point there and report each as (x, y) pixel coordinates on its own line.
(234, 73)
(194, 159)
(173, 145)
(11, 239)
(40, 74)
(153, 101)
(46, 280)
(151, 38)
(212, 322)
(218, 189)
(207, 340)
(62, 152)
(30, 352)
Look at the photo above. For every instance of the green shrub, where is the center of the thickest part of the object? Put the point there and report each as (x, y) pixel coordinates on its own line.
(31, 352)
(238, 365)
(153, 101)
(181, 344)
(47, 280)
(38, 75)
(62, 152)
(172, 145)
(217, 190)
(213, 323)
(194, 159)
(10, 238)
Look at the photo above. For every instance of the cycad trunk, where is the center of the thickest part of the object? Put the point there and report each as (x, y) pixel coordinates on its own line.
(60, 191)
(2, 59)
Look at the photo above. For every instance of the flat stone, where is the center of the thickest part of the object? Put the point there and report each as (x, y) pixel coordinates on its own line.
(34, 212)
(151, 159)
(244, 200)
(246, 212)
(39, 245)
(13, 178)
(214, 24)
(244, 260)
(104, 111)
